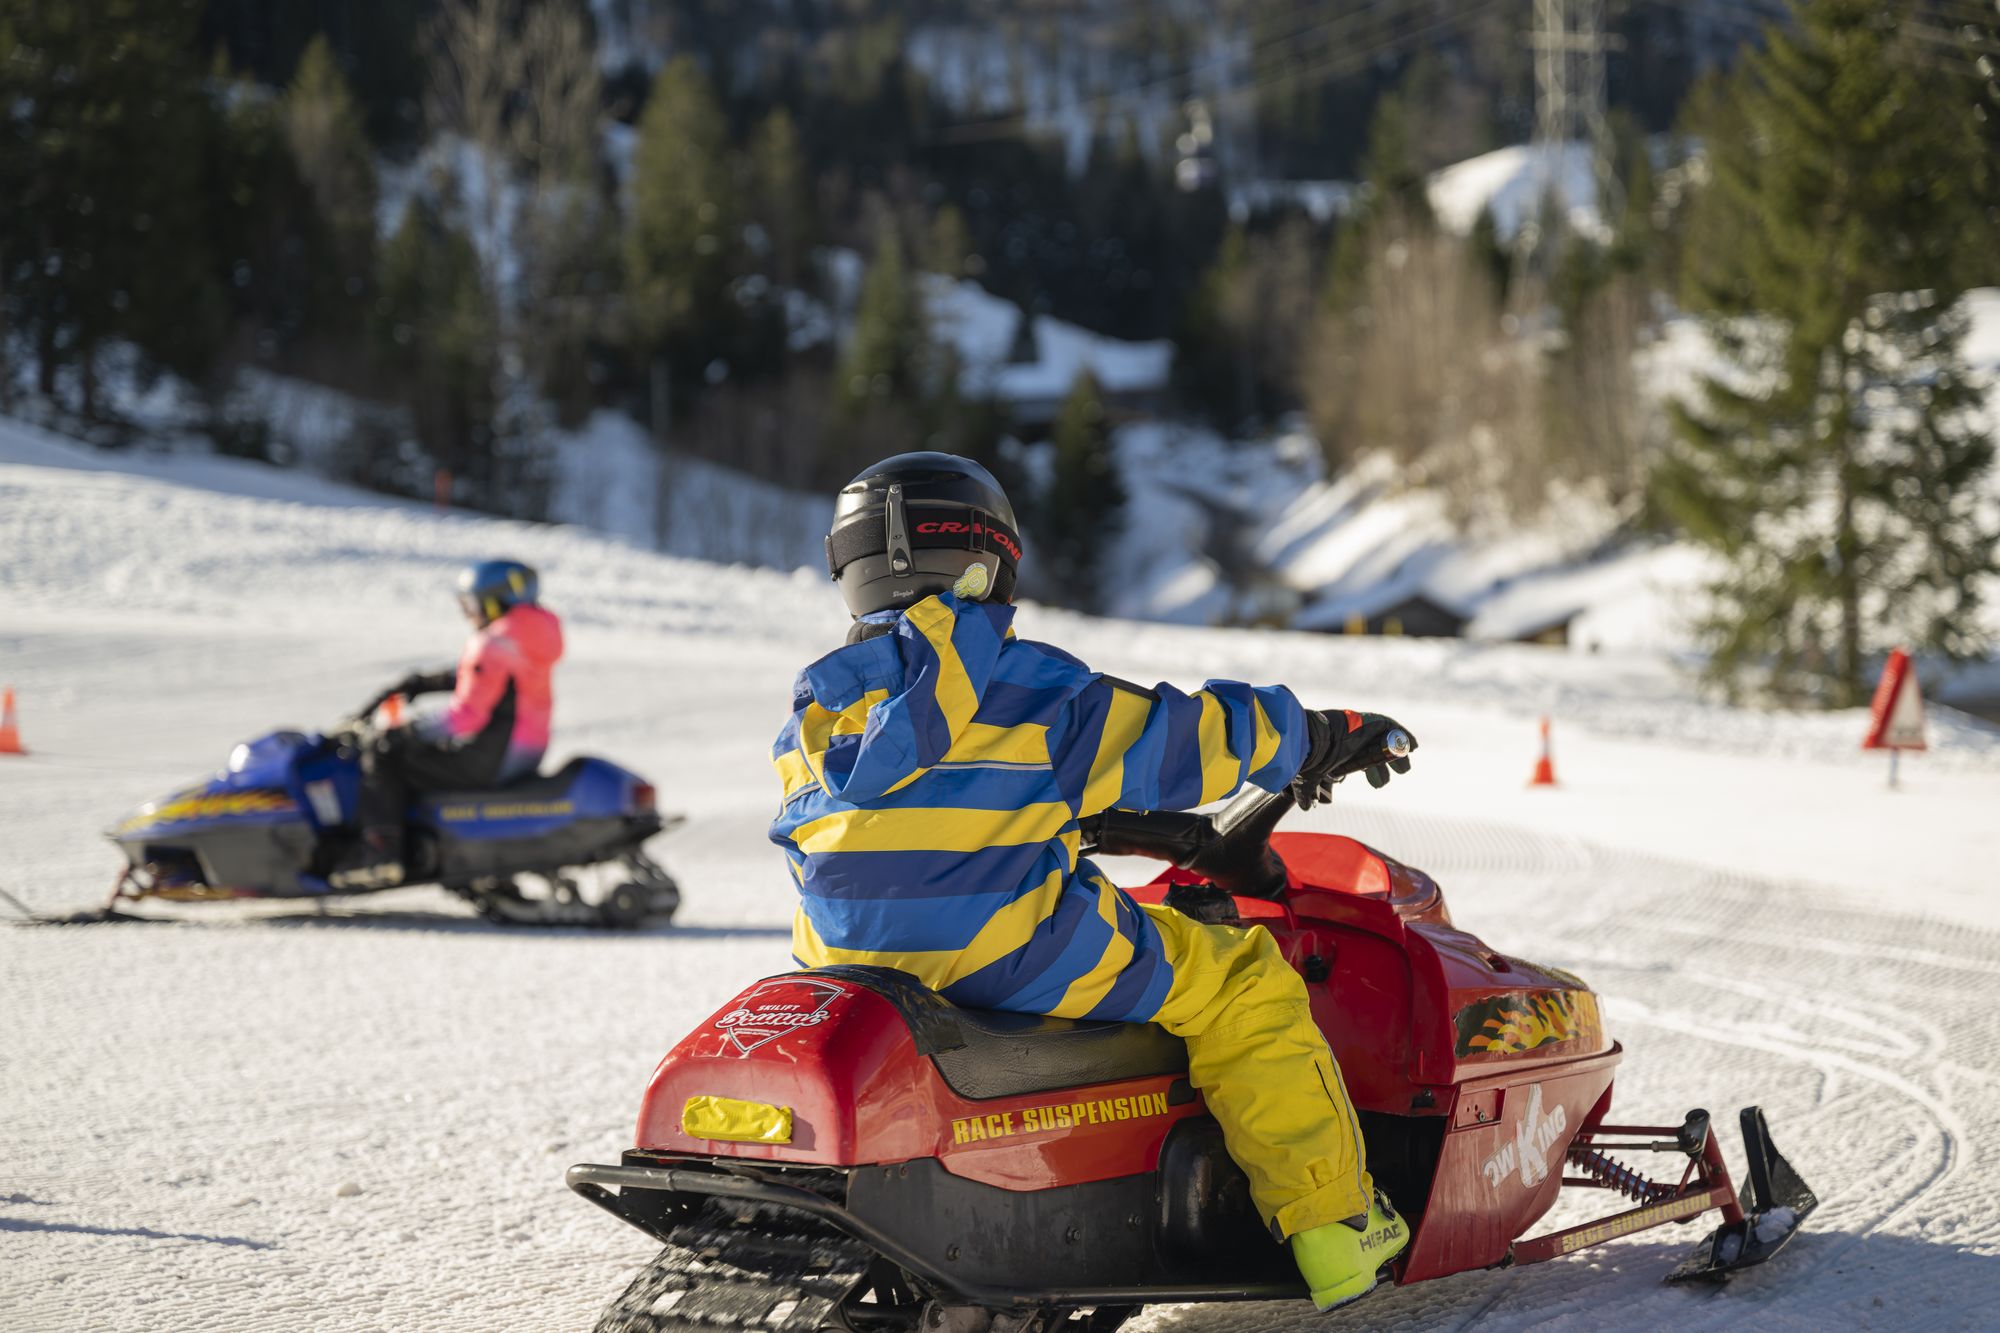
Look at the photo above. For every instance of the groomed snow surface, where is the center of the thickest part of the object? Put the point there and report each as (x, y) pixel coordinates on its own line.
(264, 1118)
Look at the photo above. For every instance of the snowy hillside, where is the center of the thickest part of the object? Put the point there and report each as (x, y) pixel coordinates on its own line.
(1513, 182)
(1255, 531)
(272, 1118)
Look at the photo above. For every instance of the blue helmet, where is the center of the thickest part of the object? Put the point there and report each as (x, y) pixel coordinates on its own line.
(491, 588)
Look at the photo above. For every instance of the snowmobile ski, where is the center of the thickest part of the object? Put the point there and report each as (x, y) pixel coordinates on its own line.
(1774, 1200)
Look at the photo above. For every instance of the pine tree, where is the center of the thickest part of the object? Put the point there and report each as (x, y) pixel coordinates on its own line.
(101, 150)
(1085, 500)
(779, 202)
(434, 324)
(1599, 423)
(1251, 318)
(324, 129)
(682, 236)
(274, 255)
(888, 355)
(1835, 467)
(1396, 203)
(950, 244)
(566, 225)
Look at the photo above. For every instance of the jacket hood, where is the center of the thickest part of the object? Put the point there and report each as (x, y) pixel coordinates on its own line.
(534, 630)
(875, 713)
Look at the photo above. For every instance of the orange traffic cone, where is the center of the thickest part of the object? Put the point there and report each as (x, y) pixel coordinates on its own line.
(392, 711)
(1545, 767)
(10, 734)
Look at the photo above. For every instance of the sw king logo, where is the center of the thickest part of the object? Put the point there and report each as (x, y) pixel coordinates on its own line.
(787, 1005)
(1529, 1151)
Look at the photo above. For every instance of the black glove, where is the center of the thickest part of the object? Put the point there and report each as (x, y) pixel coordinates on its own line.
(410, 686)
(1338, 743)
(426, 682)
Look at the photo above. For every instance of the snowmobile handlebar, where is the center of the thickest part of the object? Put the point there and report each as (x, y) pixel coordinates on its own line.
(1231, 847)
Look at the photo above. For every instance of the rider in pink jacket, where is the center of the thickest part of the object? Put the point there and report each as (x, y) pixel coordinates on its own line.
(502, 684)
(493, 732)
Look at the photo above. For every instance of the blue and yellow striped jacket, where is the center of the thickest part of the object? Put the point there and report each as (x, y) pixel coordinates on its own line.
(933, 780)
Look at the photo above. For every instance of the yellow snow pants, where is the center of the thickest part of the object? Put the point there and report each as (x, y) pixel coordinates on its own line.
(1254, 1053)
(1265, 1072)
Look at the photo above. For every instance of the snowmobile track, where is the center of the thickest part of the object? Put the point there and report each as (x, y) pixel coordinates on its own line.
(789, 1275)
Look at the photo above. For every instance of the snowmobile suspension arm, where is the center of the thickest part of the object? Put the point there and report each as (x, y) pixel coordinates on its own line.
(1705, 1184)
(1680, 1208)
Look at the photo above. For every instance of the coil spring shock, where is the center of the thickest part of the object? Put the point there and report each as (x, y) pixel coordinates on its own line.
(1614, 1174)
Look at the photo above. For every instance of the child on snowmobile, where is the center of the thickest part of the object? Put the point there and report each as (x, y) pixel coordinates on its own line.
(494, 731)
(935, 771)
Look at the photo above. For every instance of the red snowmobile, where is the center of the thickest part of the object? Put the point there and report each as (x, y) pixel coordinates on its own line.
(843, 1149)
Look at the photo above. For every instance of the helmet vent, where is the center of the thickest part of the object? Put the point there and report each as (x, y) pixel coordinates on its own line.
(900, 560)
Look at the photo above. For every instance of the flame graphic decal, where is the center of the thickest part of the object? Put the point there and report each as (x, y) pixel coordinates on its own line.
(1511, 1024)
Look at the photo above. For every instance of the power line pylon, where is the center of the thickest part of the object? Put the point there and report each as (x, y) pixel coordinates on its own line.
(1570, 44)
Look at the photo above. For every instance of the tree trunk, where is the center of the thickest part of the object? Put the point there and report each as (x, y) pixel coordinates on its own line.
(662, 413)
(1847, 683)
(6, 341)
(1848, 692)
(87, 377)
(45, 361)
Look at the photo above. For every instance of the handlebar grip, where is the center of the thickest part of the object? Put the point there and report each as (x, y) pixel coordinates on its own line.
(1398, 744)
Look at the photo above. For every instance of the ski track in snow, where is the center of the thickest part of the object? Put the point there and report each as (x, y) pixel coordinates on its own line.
(264, 1117)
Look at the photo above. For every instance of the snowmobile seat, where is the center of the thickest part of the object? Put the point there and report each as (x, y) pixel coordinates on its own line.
(532, 787)
(1006, 1054)
(985, 1053)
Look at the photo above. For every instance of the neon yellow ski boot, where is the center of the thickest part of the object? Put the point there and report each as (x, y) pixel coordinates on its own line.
(1340, 1260)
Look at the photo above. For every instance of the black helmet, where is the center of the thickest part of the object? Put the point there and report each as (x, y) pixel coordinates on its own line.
(919, 524)
(491, 588)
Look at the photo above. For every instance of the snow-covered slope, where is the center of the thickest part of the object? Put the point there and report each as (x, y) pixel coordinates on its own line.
(610, 478)
(271, 1119)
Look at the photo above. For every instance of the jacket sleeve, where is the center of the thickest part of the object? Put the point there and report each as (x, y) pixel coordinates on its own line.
(430, 682)
(482, 679)
(1159, 749)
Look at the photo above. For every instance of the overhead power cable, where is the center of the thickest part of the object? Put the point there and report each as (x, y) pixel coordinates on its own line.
(1375, 23)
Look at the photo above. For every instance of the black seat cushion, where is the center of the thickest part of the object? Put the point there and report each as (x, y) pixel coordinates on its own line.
(531, 787)
(986, 1053)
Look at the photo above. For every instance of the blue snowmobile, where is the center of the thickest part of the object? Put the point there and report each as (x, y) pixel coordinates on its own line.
(270, 821)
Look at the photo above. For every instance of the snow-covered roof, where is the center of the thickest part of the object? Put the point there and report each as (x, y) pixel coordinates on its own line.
(985, 331)
(1511, 181)
(1982, 340)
